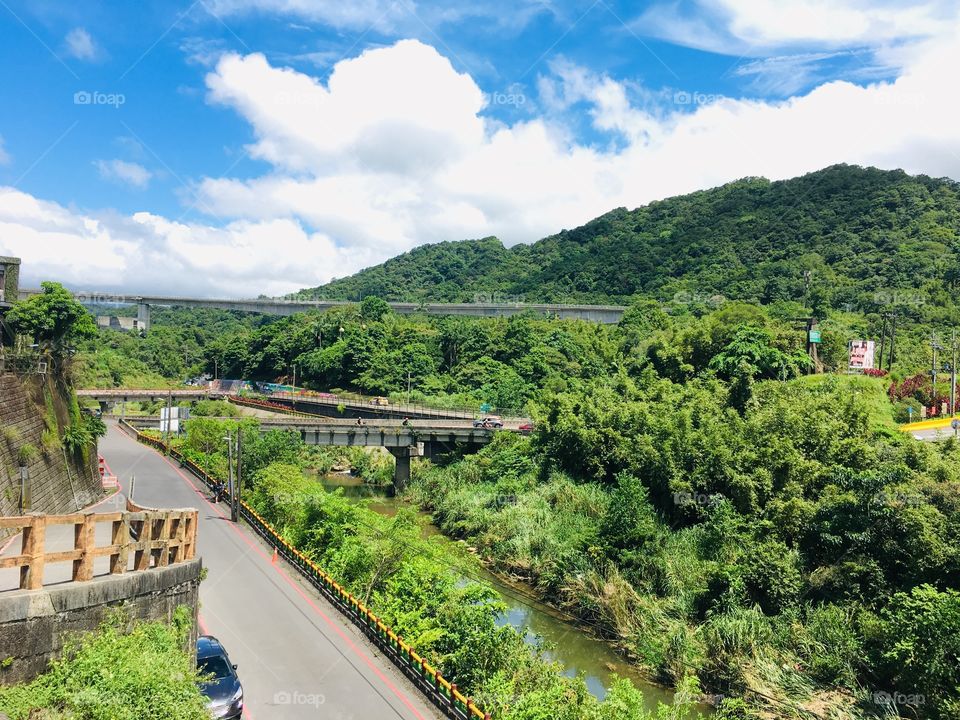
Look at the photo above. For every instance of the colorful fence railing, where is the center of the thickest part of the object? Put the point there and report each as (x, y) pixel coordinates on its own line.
(271, 406)
(444, 694)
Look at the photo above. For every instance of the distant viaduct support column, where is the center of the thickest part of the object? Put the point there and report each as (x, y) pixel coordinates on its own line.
(401, 474)
(143, 316)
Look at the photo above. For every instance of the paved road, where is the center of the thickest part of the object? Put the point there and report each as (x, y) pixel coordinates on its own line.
(933, 434)
(297, 656)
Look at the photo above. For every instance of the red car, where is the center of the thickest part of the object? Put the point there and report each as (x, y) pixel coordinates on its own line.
(527, 428)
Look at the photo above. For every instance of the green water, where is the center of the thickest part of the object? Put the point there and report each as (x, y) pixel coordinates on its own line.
(573, 648)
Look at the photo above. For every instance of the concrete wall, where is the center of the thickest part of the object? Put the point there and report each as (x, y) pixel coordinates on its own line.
(9, 287)
(58, 483)
(35, 623)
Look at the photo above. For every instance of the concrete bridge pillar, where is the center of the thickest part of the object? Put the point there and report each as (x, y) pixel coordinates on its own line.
(401, 474)
(143, 316)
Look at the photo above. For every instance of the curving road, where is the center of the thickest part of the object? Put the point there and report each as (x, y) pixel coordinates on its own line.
(297, 657)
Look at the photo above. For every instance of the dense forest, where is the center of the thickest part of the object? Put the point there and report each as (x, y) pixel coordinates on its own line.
(692, 493)
(865, 237)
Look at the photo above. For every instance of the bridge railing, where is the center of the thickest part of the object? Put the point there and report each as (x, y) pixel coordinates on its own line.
(392, 406)
(443, 693)
(156, 538)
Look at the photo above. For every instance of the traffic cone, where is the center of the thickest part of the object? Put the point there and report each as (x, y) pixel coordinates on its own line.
(273, 560)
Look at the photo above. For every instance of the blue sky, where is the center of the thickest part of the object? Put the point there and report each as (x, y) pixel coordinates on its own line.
(146, 146)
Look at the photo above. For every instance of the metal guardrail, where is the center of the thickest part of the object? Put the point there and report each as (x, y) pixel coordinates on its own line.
(444, 694)
(161, 538)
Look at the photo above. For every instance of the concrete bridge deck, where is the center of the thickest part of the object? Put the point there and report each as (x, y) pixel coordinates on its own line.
(335, 406)
(420, 438)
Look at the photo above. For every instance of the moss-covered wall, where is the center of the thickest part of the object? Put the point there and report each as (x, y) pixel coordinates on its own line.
(34, 412)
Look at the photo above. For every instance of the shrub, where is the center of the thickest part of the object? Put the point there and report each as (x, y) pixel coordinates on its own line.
(117, 675)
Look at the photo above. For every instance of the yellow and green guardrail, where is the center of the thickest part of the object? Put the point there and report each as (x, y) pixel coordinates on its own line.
(937, 423)
(443, 693)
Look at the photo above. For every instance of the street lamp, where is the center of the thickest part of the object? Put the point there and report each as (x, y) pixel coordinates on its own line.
(233, 495)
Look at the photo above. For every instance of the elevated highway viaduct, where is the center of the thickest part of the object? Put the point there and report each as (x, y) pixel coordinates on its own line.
(608, 314)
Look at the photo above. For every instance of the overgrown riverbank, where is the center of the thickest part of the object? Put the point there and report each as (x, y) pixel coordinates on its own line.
(380, 560)
(801, 555)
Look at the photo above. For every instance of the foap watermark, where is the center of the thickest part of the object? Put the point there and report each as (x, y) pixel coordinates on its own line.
(899, 99)
(296, 99)
(898, 698)
(303, 499)
(685, 97)
(502, 501)
(86, 297)
(684, 297)
(95, 97)
(887, 497)
(697, 498)
(512, 95)
(883, 297)
(295, 697)
(497, 299)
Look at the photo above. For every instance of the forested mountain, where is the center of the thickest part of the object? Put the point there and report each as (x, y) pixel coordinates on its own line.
(863, 233)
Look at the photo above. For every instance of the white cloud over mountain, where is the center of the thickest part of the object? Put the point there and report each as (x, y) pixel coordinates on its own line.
(394, 150)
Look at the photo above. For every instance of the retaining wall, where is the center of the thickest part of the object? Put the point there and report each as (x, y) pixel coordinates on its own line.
(35, 623)
(59, 483)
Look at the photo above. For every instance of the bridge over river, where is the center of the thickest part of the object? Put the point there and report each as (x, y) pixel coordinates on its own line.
(327, 404)
(418, 438)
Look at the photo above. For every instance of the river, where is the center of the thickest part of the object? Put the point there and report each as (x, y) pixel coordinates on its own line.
(574, 649)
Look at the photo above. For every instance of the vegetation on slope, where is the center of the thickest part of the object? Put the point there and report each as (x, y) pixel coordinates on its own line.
(868, 237)
(117, 675)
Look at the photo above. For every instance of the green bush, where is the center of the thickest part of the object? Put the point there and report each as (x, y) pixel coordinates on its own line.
(112, 674)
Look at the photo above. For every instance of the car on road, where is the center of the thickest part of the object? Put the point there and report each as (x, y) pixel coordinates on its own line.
(380, 401)
(527, 428)
(220, 682)
(491, 421)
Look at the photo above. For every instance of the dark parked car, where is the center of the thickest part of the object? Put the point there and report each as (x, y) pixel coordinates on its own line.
(221, 684)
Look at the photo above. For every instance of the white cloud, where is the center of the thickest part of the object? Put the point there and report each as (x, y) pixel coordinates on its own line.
(394, 151)
(127, 173)
(148, 253)
(380, 15)
(80, 45)
(756, 27)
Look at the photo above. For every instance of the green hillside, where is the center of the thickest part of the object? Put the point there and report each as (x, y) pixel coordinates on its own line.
(865, 235)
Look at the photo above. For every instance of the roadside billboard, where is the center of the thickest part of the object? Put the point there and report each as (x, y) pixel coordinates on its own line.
(861, 354)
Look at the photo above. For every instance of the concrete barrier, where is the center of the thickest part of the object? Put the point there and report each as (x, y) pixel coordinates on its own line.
(35, 623)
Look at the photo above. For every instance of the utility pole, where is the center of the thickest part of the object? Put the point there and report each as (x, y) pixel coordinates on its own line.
(934, 346)
(294, 378)
(235, 513)
(229, 440)
(953, 375)
(893, 341)
(166, 429)
(883, 336)
(408, 387)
